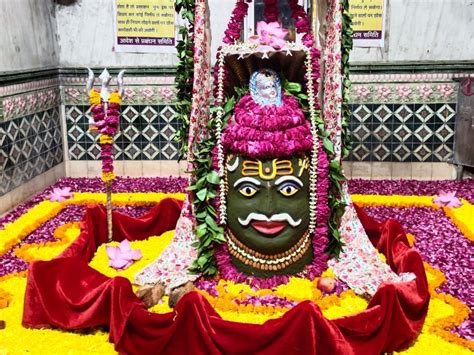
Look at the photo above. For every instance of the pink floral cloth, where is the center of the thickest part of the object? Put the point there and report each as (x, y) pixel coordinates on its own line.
(172, 267)
(332, 81)
(202, 87)
(359, 264)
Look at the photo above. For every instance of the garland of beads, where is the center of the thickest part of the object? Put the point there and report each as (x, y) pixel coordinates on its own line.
(268, 262)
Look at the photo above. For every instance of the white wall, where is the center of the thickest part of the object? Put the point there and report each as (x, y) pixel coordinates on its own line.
(220, 11)
(86, 38)
(425, 30)
(417, 30)
(27, 35)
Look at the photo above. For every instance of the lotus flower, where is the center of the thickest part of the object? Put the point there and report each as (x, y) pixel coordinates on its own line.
(59, 195)
(447, 199)
(270, 34)
(123, 256)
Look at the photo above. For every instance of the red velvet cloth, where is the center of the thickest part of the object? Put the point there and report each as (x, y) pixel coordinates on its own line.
(67, 293)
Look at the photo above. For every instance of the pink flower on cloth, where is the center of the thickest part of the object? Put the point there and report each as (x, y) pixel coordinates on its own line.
(123, 256)
(270, 34)
(59, 195)
(447, 199)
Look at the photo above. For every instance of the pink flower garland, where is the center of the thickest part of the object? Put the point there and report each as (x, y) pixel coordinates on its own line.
(271, 12)
(228, 271)
(107, 125)
(267, 131)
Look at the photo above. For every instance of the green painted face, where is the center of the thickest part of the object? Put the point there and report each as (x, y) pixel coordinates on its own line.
(268, 209)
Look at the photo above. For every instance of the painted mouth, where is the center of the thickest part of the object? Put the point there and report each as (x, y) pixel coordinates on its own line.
(269, 228)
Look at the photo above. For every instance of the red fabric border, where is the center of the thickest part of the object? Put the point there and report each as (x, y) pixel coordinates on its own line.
(68, 294)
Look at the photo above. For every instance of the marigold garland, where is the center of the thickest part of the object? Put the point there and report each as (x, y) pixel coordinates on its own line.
(14, 232)
(463, 218)
(94, 97)
(105, 139)
(65, 234)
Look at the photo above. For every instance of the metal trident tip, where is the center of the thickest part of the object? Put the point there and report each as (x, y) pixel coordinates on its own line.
(120, 81)
(105, 77)
(105, 80)
(90, 80)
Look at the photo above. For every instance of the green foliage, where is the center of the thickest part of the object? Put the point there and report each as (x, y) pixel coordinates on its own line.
(184, 72)
(336, 204)
(204, 188)
(346, 47)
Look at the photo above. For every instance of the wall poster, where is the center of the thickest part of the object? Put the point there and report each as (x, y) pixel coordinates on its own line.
(145, 26)
(368, 22)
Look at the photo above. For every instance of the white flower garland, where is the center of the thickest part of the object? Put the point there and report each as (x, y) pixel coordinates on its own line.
(220, 148)
(313, 170)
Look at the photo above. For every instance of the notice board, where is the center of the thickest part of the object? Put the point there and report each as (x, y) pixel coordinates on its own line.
(368, 22)
(144, 26)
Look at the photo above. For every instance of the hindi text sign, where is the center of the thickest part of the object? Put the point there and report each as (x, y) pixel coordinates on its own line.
(144, 26)
(368, 22)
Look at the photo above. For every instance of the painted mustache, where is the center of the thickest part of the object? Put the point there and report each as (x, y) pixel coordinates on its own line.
(279, 217)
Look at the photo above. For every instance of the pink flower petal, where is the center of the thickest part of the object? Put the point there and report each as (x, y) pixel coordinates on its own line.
(136, 254)
(59, 195)
(119, 263)
(112, 252)
(447, 199)
(125, 246)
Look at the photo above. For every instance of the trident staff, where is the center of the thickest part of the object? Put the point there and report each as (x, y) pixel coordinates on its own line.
(105, 120)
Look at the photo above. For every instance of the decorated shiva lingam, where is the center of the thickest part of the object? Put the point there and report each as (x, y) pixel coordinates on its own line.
(268, 181)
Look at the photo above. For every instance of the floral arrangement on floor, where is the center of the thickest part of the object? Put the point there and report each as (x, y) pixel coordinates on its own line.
(233, 301)
(439, 236)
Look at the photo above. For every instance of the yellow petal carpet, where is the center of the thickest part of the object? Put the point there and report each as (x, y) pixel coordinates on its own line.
(445, 312)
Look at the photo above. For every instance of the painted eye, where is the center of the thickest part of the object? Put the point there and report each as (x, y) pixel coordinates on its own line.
(248, 190)
(288, 189)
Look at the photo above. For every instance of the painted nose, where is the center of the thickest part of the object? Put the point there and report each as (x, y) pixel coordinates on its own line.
(269, 202)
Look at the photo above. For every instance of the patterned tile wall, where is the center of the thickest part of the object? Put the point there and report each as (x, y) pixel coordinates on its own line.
(399, 122)
(146, 133)
(147, 125)
(402, 132)
(30, 145)
(409, 120)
